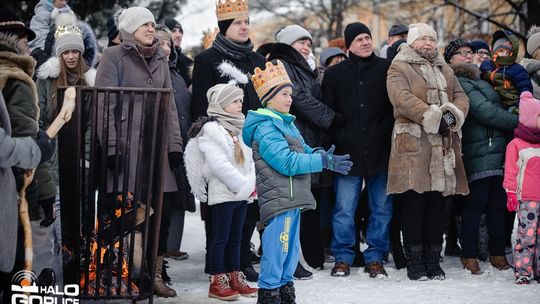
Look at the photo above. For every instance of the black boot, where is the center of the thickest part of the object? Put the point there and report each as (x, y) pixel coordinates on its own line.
(287, 293)
(432, 253)
(416, 270)
(301, 273)
(251, 274)
(269, 296)
(398, 255)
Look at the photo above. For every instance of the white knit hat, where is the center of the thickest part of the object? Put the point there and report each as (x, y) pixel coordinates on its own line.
(292, 33)
(68, 37)
(533, 42)
(132, 18)
(417, 30)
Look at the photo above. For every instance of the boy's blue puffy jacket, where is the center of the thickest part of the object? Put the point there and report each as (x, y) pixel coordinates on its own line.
(283, 162)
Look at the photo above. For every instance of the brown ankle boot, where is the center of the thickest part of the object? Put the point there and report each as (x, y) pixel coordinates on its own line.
(220, 288)
(499, 262)
(238, 282)
(160, 288)
(471, 265)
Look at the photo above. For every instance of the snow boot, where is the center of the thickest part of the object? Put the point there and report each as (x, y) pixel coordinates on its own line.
(251, 274)
(398, 255)
(269, 296)
(471, 264)
(287, 292)
(499, 262)
(238, 282)
(301, 273)
(432, 254)
(160, 288)
(220, 288)
(416, 269)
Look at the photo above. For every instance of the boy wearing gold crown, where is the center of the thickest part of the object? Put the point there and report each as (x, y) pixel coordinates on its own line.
(232, 44)
(283, 162)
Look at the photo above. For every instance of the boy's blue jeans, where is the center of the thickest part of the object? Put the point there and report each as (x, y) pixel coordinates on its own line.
(380, 205)
(281, 250)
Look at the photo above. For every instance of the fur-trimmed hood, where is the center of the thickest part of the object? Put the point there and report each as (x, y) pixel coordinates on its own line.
(408, 54)
(467, 70)
(51, 69)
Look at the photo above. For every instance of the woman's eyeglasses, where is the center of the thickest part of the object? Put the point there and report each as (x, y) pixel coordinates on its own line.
(463, 53)
(483, 53)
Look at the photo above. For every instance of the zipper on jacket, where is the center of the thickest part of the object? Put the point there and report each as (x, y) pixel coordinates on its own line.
(291, 191)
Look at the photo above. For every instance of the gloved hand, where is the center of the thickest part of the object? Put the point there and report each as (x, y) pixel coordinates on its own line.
(338, 121)
(48, 208)
(512, 202)
(447, 119)
(175, 159)
(336, 163)
(46, 145)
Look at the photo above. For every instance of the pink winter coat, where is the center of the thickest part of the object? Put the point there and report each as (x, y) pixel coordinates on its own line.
(522, 169)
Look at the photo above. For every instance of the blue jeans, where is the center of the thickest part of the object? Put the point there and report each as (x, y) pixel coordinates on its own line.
(347, 193)
(281, 250)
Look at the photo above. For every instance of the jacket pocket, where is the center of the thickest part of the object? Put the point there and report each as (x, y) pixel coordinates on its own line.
(407, 138)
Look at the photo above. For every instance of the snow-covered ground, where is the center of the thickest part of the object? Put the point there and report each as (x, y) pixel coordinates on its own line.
(492, 287)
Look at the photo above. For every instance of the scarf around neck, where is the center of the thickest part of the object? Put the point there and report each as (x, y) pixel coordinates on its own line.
(231, 122)
(234, 50)
(527, 134)
(148, 51)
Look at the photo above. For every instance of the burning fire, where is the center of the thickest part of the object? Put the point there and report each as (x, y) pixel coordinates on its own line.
(115, 251)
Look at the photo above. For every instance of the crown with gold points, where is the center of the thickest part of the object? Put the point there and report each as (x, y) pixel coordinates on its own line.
(273, 76)
(231, 9)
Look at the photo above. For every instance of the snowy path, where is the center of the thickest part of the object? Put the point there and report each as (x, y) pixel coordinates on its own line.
(492, 287)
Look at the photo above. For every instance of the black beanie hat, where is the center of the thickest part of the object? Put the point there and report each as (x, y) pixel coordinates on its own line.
(112, 25)
(171, 23)
(224, 25)
(354, 29)
(453, 46)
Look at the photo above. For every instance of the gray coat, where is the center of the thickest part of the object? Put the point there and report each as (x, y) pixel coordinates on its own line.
(21, 152)
(123, 66)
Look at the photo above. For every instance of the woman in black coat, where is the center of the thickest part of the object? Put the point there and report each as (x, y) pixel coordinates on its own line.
(313, 118)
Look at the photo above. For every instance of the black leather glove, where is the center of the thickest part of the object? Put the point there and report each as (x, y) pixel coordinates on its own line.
(48, 208)
(111, 161)
(175, 159)
(447, 120)
(46, 145)
(337, 163)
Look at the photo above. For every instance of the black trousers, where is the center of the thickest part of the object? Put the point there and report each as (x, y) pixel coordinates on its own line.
(252, 217)
(311, 239)
(486, 195)
(422, 217)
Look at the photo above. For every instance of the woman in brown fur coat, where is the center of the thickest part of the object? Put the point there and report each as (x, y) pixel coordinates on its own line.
(425, 161)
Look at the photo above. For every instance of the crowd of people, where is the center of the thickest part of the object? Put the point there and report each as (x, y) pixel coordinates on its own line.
(395, 148)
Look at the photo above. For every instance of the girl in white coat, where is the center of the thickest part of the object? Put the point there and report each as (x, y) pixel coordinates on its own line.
(218, 160)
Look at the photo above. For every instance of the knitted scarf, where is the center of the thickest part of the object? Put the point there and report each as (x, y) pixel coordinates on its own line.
(231, 49)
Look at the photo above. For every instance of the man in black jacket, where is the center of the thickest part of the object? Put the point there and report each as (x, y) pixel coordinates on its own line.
(356, 89)
(183, 62)
(232, 44)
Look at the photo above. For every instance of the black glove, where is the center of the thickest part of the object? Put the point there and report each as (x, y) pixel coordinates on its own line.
(111, 161)
(336, 163)
(46, 145)
(175, 159)
(48, 208)
(338, 121)
(447, 120)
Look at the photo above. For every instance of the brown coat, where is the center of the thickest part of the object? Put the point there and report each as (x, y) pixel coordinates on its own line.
(421, 159)
(123, 66)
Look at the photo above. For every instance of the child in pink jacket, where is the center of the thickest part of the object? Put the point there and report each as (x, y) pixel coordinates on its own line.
(522, 184)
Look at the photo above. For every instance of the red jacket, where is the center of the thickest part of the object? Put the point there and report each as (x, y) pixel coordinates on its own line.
(522, 169)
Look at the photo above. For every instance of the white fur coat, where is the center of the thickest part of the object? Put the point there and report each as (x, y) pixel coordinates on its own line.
(210, 163)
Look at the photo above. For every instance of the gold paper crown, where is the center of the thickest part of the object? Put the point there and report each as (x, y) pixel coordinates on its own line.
(265, 80)
(231, 9)
(66, 29)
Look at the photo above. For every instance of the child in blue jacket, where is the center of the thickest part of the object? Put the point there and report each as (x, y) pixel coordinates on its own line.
(506, 76)
(283, 162)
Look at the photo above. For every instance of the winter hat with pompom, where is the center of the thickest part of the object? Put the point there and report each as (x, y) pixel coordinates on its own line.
(533, 41)
(529, 109)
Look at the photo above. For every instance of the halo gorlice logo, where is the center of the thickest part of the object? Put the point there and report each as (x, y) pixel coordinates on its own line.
(26, 290)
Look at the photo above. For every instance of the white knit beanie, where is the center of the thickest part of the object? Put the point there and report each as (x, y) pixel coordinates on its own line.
(223, 94)
(292, 33)
(417, 30)
(132, 18)
(533, 42)
(68, 37)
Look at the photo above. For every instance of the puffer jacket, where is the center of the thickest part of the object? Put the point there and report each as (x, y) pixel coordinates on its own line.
(507, 77)
(487, 125)
(522, 166)
(226, 180)
(283, 162)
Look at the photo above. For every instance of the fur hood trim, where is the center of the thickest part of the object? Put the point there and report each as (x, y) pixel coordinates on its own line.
(467, 70)
(409, 55)
(51, 69)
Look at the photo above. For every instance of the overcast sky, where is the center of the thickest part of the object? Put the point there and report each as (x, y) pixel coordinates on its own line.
(197, 16)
